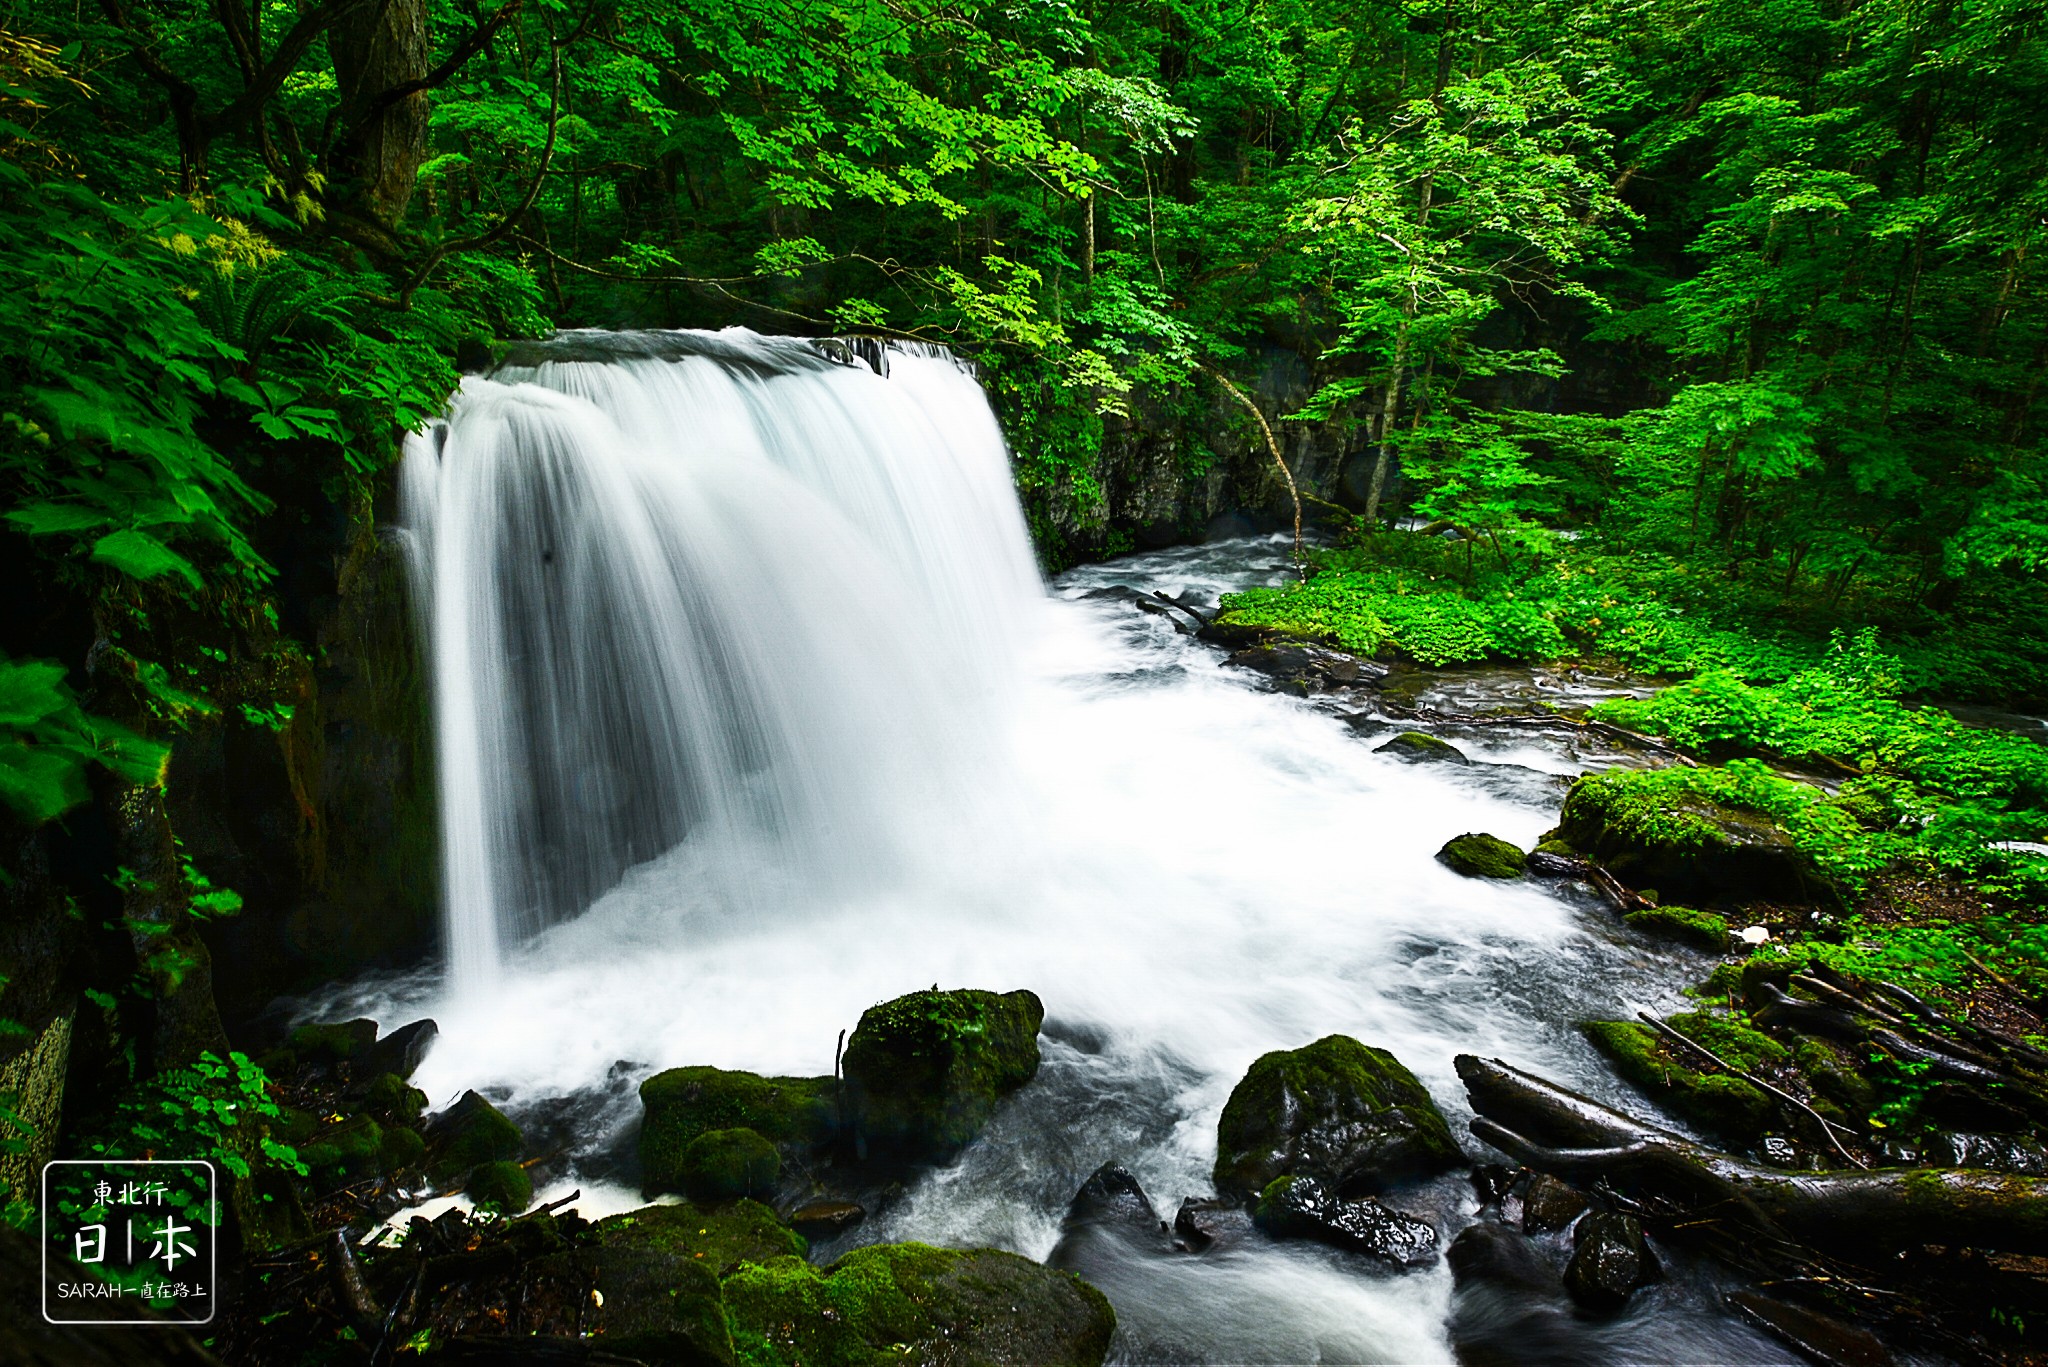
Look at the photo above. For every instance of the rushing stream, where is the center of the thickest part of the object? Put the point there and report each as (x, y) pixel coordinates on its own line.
(807, 737)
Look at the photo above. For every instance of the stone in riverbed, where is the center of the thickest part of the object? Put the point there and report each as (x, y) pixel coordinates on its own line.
(1698, 851)
(1337, 1110)
(470, 1132)
(403, 1050)
(793, 1113)
(1421, 747)
(924, 1072)
(1303, 1208)
(504, 1187)
(913, 1303)
(1482, 856)
(720, 1164)
(1610, 1259)
(824, 1219)
(1550, 1205)
(1111, 1195)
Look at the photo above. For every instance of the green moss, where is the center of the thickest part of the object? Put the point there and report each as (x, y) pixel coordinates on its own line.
(720, 1239)
(1420, 745)
(684, 1103)
(720, 1164)
(354, 1148)
(1336, 1109)
(403, 1149)
(470, 1132)
(329, 1044)
(892, 1303)
(1728, 1106)
(503, 1187)
(391, 1098)
(924, 1072)
(1703, 929)
(1482, 856)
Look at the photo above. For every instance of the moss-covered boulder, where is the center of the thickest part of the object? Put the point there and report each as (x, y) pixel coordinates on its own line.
(914, 1303)
(1482, 856)
(1652, 832)
(1422, 748)
(721, 1164)
(1701, 929)
(792, 1113)
(1731, 1109)
(503, 1187)
(470, 1132)
(657, 1272)
(924, 1072)
(328, 1044)
(1337, 1110)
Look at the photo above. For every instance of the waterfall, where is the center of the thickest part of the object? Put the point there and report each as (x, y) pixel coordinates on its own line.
(753, 595)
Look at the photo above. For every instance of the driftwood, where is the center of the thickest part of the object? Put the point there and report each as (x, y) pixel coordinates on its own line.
(1854, 1215)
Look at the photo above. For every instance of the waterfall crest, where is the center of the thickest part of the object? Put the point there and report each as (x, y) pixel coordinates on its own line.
(739, 591)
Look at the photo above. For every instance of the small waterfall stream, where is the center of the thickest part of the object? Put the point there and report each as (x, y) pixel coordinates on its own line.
(753, 712)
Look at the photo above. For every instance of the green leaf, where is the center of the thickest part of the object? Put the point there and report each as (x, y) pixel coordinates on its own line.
(143, 556)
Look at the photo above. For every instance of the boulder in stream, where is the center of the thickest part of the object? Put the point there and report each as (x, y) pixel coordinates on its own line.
(913, 1303)
(924, 1072)
(792, 1113)
(1477, 855)
(1303, 1208)
(1694, 849)
(468, 1133)
(720, 1164)
(1419, 747)
(1336, 1110)
(1610, 1259)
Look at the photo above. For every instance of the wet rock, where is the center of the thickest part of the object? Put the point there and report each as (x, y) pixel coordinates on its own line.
(1111, 1195)
(1309, 666)
(470, 1132)
(1482, 856)
(924, 1072)
(1997, 1152)
(1610, 1259)
(793, 1113)
(1820, 1338)
(1734, 1110)
(1694, 849)
(1550, 1205)
(1492, 1182)
(1303, 1208)
(914, 1303)
(403, 1050)
(825, 1219)
(1202, 1221)
(1337, 1110)
(657, 1271)
(1421, 747)
(1550, 864)
(504, 1187)
(720, 1164)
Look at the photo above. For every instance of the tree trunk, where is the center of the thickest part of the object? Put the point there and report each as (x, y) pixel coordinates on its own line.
(377, 49)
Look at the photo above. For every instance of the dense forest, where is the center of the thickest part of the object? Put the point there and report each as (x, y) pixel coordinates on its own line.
(1708, 338)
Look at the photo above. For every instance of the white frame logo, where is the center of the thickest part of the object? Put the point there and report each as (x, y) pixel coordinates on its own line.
(117, 1302)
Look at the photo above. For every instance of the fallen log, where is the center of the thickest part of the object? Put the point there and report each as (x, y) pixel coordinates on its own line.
(1855, 1215)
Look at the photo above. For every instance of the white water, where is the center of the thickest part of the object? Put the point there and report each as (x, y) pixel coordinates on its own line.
(803, 731)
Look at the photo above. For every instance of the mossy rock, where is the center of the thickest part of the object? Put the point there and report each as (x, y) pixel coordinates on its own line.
(348, 1150)
(924, 1072)
(1732, 1109)
(403, 1150)
(503, 1186)
(1421, 747)
(331, 1044)
(1337, 1110)
(390, 1098)
(1836, 1075)
(1701, 929)
(657, 1269)
(720, 1164)
(470, 1132)
(1482, 856)
(1697, 850)
(891, 1303)
(793, 1113)
(719, 1238)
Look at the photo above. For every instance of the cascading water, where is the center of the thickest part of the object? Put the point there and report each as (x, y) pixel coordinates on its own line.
(754, 713)
(706, 588)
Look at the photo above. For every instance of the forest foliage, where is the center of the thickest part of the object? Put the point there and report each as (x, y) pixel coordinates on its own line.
(1753, 291)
